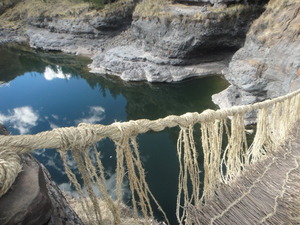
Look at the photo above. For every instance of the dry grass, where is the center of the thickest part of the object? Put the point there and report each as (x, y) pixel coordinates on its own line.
(120, 7)
(227, 13)
(281, 18)
(107, 217)
(18, 15)
(163, 9)
(151, 8)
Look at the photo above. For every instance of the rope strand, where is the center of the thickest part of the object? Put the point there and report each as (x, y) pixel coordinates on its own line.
(222, 162)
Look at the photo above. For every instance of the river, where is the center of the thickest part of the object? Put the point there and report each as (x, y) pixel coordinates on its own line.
(40, 91)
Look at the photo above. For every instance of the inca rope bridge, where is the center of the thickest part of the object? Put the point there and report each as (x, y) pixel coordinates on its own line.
(223, 163)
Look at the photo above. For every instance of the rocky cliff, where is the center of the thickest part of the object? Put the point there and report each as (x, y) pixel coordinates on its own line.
(269, 63)
(173, 42)
(148, 40)
(166, 41)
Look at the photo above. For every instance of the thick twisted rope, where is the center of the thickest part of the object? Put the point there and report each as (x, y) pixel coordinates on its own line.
(85, 134)
(286, 109)
(10, 167)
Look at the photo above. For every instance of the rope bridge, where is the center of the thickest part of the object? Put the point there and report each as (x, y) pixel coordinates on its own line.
(222, 162)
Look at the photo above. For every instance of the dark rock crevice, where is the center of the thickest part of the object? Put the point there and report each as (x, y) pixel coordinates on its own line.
(267, 66)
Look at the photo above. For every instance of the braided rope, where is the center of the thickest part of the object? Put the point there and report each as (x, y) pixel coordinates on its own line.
(10, 167)
(85, 135)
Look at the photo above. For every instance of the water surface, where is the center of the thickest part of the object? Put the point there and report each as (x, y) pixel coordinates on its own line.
(40, 91)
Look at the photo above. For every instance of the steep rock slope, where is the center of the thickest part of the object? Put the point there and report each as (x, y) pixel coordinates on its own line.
(269, 63)
(71, 26)
(153, 40)
(176, 41)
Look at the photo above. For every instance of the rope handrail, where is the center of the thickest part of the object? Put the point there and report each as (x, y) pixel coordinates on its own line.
(27, 143)
(274, 119)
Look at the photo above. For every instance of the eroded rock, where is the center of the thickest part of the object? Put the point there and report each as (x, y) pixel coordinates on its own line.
(27, 202)
(184, 42)
(34, 199)
(131, 63)
(268, 64)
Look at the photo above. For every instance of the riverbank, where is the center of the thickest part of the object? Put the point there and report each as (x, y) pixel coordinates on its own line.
(169, 41)
(268, 65)
(136, 40)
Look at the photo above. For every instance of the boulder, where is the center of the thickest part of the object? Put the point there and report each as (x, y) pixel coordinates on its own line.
(268, 64)
(34, 199)
(131, 63)
(27, 202)
(191, 32)
(178, 43)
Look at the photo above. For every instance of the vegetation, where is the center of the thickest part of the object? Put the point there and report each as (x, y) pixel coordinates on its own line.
(163, 9)
(127, 217)
(15, 14)
(99, 4)
(151, 8)
(276, 22)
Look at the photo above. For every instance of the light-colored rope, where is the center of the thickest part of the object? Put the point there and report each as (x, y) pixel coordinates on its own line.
(222, 163)
(10, 167)
(72, 136)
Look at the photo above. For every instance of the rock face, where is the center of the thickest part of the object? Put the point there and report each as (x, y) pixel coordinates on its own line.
(268, 64)
(88, 26)
(156, 41)
(183, 43)
(34, 199)
(62, 213)
(160, 41)
(134, 64)
(27, 202)
(4, 4)
(207, 1)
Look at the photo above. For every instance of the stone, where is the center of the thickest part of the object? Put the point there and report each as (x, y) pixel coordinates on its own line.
(175, 47)
(180, 36)
(3, 130)
(268, 64)
(131, 63)
(262, 72)
(62, 213)
(5, 4)
(207, 1)
(27, 202)
(34, 199)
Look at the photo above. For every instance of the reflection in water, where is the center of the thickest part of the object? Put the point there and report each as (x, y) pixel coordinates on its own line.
(3, 84)
(51, 74)
(36, 97)
(110, 183)
(21, 118)
(95, 115)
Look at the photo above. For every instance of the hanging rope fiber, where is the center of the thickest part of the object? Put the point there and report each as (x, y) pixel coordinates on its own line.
(222, 162)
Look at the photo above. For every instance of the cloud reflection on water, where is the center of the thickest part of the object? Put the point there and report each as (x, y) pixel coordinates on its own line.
(4, 84)
(51, 74)
(21, 118)
(110, 184)
(54, 164)
(95, 114)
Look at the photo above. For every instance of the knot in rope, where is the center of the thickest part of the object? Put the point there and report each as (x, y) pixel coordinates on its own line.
(10, 166)
(77, 137)
(128, 129)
